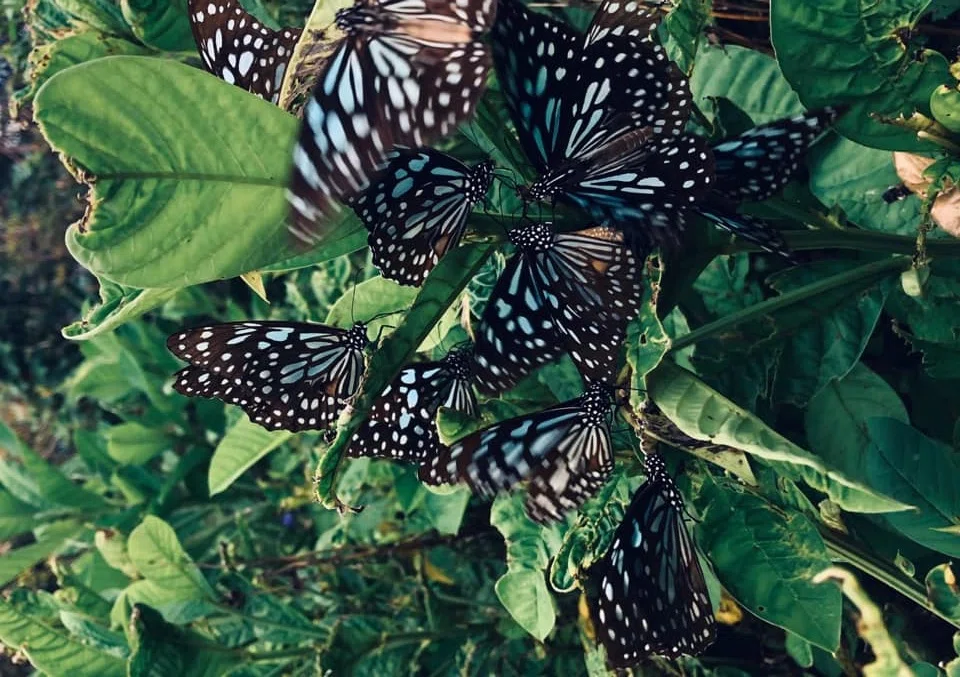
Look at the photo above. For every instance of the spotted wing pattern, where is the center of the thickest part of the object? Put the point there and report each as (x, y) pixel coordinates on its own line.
(405, 74)
(417, 210)
(236, 47)
(652, 598)
(564, 453)
(401, 424)
(284, 375)
(566, 292)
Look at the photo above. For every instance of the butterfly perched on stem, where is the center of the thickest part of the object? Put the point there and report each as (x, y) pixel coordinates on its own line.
(401, 425)
(236, 47)
(405, 73)
(601, 118)
(753, 166)
(285, 375)
(417, 210)
(560, 292)
(563, 453)
(652, 596)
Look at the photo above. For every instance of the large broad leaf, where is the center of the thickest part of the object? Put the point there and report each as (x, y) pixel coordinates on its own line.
(135, 444)
(836, 420)
(54, 651)
(748, 78)
(162, 24)
(118, 304)
(243, 445)
(189, 172)
(853, 177)
(853, 51)
(647, 340)
(767, 560)
(160, 649)
(685, 25)
(704, 414)
(909, 466)
(51, 539)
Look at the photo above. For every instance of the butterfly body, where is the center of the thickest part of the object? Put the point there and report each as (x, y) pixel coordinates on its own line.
(401, 424)
(417, 209)
(564, 453)
(652, 593)
(285, 375)
(561, 292)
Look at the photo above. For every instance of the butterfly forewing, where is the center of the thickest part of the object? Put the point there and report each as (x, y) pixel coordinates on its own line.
(401, 423)
(747, 227)
(405, 74)
(239, 49)
(652, 594)
(285, 375)
(564, 451)
(417, 210)
(758, 163)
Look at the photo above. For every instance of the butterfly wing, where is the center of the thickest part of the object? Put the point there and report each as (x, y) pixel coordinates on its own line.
(758, 163)
(285, 375)
(417, 210)
(517, 331)
(653, 596)
(747, 227)
(618, 19)
(239, 49)
(405, 75)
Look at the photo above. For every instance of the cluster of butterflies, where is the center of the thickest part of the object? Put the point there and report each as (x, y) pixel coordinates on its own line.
(601, 116)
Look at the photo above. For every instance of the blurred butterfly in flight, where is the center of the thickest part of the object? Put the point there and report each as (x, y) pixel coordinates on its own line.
(652, 594)
(239, 49)
(560, 292)
(405, 73)
(563, 453)
(601, 117)
(416, 211)
(285, 375)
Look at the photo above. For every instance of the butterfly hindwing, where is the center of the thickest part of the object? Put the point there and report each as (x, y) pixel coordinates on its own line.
(405, 74)
(239, 49)
(401, 424)
(285, 375)
(564, 451)
(416, 211)
(652, 593)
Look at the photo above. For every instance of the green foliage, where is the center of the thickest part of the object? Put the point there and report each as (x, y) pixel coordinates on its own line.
(179, 538)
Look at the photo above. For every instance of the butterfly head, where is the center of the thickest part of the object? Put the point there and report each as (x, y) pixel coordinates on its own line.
(356, 17)
(460, 363)
(596, 401)
(533, 236)
(357, 336)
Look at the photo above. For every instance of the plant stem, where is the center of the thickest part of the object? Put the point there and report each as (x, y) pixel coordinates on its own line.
(295, 652)
(876, 269)
(851, 238)
(882, 571)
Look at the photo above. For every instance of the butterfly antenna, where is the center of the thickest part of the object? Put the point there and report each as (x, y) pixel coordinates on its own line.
(353, 299)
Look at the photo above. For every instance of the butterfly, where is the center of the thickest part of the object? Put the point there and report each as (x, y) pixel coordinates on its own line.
(601, 118)
(756, 164)
(652, 597)
(417, 210)
(285, 375)
(564, 453)
(560, 292)
(239, 49)
(401, 424)
(405, 74)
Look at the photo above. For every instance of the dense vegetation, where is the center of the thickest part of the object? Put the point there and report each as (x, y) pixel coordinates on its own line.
(808, 411)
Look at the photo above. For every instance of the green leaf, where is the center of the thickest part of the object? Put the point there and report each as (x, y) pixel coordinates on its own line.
(704, 414)
(441, 288)
(446, 510)
(350, 236)
(172, 182)
(914, 469)
(685, 24)
(243, 445)
(852, 50)
(162, 24)
(647, 340)
(53, 651)
(103, 15)
(118, 304)
(93, 634)
(942, 591)
(48, 60)
(49, 541)
(160, 649)
(799, 650)
(372, 297)
(750, 79)
(723, 285)
(157, 554)
(135, 444)
(16, 516)
(767, 560)
(524, 593)
(836, 420)
(850, 176)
